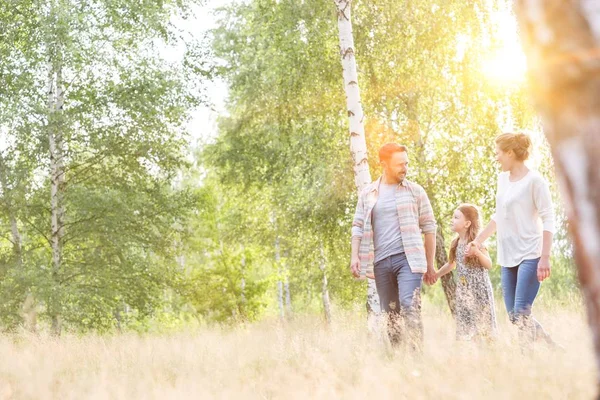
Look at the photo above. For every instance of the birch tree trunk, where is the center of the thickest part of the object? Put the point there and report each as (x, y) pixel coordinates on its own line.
(358, 144)
(324, 289)
(286, 289)
(279, 279)
(562, 42)
(243, 280)
(55, 140)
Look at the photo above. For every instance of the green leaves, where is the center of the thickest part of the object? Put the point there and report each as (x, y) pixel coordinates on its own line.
(122, 126)
(283, 144)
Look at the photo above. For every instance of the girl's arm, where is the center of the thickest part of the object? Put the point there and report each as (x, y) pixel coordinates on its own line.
(445, 269)
(483, 256)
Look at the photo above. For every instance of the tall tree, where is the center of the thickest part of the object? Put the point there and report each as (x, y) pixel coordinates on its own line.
(100, 118)
(358, 144)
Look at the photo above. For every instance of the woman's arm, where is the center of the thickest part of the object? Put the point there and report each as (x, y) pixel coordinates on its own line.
(543, 270)
(489, 230)
(482, 237)
(543, 203)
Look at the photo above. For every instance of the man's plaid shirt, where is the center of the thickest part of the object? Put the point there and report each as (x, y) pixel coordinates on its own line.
(414, 215)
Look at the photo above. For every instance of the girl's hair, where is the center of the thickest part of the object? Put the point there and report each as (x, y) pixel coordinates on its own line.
(471, 213)
(519, 143)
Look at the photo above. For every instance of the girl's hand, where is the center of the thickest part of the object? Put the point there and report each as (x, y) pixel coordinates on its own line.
(472, 249)
(543, 269)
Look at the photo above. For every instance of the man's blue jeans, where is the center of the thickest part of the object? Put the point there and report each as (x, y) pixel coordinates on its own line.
(399, 292)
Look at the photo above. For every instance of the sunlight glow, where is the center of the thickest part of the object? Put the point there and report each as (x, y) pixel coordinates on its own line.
(507, 64)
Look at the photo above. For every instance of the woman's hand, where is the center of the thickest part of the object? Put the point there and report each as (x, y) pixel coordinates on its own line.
(543, 269)
(472, 249)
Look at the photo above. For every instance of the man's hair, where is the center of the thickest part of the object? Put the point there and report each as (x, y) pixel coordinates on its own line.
(386, 151)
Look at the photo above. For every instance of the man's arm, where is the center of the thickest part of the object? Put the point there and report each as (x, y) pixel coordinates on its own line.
(428, 228)
(429, 255)
(355, 259)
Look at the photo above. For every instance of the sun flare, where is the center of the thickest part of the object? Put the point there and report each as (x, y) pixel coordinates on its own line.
(507, 63)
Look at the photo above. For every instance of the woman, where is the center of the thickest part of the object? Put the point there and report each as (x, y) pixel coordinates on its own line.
(524, 222)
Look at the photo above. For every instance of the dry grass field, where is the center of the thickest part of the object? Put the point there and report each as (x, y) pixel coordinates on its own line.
(298, 360)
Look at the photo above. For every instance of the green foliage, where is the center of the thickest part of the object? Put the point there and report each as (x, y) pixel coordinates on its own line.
(285, 134)
(123, 129)
(151, 240)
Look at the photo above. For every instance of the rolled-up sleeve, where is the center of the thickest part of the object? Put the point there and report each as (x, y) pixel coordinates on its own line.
(543, 203)
(359, 217)
(426, 218)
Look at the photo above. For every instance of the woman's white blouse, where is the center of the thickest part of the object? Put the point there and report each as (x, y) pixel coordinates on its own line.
(523, 211)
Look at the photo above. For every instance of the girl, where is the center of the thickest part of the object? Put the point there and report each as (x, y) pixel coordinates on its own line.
(475, 315)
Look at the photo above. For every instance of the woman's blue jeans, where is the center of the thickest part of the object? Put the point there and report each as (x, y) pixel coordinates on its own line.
(520, 286)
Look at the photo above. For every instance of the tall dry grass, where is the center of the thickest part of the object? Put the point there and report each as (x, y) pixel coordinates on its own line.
(297, 360)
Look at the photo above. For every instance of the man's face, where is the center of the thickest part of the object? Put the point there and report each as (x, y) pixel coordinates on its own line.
(397, 167)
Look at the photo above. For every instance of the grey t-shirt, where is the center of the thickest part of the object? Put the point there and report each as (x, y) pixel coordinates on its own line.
(387, 238)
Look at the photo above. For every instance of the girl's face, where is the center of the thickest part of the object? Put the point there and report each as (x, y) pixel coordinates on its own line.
(459, 222)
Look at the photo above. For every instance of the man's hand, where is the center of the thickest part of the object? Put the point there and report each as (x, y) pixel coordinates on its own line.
(355, 267)
(430, 276)
(543, 269)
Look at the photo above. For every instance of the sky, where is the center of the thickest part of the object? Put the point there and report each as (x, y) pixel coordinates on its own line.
(203, 124)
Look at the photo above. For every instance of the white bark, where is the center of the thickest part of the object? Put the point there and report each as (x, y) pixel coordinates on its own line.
(55, 104)
(279, 280)
(243, 281)
(324, 289)
(358, 143)
(286, 290)
(561, 40)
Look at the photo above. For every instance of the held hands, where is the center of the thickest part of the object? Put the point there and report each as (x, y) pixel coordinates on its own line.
(430, 276)
(543, 269)
(473, 249)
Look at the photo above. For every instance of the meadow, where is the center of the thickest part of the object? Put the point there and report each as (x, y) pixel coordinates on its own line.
(298, 359)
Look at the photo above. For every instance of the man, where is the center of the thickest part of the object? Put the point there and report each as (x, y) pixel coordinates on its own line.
(391, 215)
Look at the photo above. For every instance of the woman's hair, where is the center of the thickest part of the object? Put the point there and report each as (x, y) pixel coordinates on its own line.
(471, 213)
(519, 143)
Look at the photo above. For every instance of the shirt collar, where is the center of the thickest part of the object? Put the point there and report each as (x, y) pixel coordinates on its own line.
(378, 182)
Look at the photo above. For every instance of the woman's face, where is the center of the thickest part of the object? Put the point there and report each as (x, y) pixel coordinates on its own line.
(505, 159)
